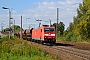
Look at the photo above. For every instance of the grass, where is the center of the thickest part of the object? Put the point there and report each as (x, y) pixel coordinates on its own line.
(18, 49)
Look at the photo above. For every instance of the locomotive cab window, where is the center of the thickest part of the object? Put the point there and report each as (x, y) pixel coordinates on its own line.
(48, 29)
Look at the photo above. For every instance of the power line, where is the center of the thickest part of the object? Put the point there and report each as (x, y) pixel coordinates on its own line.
(70, 6)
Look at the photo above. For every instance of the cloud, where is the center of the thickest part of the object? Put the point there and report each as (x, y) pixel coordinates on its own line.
(48, 10)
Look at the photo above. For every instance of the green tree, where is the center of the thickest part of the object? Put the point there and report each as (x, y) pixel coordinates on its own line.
(17, 28)
(71, 26)
(82, 20)
(61, 27)
(54, 24)
(79, 29)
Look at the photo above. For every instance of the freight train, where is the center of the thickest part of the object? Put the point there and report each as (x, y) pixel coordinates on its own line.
(43, 34)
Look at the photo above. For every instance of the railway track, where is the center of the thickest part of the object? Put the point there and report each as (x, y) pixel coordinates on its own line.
(66, 52)
(77, 52)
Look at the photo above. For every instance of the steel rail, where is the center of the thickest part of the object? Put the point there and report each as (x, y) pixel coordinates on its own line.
(77, 52)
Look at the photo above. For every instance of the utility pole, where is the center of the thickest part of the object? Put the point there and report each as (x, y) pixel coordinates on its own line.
(2, 25)
(29, 26)
(21, 28)
(9, 20)
(9, 24)
(34, 26)
(50, 22)
(57, 15)
(14, 27)
(39, 22)
(57, 21)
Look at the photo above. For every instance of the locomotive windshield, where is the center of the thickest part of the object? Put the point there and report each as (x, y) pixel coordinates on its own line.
(48, 29)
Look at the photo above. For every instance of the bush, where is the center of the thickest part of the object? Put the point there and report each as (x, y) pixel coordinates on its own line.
(4, 39)
(18, 49)
(70, 37)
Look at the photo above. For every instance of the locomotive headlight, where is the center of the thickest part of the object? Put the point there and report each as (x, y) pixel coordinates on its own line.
(52, 34)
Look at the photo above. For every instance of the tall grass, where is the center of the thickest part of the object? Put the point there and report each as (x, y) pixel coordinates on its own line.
(4, 39)
(18, 49)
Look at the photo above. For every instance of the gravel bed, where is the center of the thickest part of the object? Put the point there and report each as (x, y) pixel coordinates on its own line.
(64, 55)
(82, 46)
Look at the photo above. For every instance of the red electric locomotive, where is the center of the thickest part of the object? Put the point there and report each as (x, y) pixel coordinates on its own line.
(45, 34)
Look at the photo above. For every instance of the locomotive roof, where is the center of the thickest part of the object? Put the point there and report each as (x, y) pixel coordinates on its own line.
(45, 25)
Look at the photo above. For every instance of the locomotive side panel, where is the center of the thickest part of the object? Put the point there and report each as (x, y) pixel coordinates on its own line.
(42, 33)
(36, 34)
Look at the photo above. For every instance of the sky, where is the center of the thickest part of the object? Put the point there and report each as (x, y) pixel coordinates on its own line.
(32, 10)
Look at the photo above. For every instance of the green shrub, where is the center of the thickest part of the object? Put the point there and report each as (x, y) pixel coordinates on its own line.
(70, 37)
(4, 39)
(18, 49)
